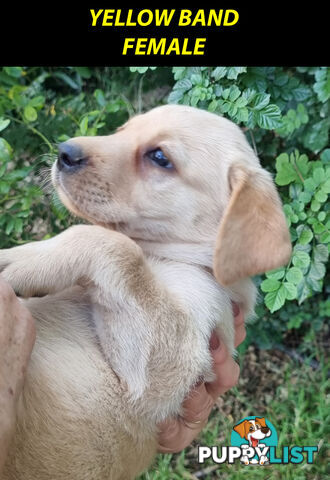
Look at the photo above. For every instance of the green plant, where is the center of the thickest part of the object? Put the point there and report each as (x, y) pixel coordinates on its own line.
(308, 215)
(17, 197)
(39, 108)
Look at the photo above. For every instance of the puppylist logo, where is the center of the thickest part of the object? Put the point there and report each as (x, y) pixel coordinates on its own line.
(253, 442)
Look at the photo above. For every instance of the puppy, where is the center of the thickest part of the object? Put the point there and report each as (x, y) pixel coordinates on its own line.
(182, 214)
(253, 431)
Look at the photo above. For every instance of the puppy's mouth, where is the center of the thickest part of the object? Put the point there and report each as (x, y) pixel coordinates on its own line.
(254, 441)
(62, 192)
(80, 205)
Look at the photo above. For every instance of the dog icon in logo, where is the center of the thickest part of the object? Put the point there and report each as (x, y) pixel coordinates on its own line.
(254, 432)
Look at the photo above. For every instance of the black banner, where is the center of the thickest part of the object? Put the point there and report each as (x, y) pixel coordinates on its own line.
(103, 33)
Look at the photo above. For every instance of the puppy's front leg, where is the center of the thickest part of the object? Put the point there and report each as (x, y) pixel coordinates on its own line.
(80, 253)
(148, 337)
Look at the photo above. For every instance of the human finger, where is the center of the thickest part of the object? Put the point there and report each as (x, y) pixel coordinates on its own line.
(224, 367)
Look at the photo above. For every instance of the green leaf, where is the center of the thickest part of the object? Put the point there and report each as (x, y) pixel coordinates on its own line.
(301, 93)
(219, 73)
(321, 196)
(213, 106)
(233, 72)
(309, 184)
(18, 227)
(290, 290)
(317, 270)
(322, 84)
(325, 237)
(294, 275)
(99, 95)
(321, 253)
(325, 155)
(316, 137)
(185, 84)
(4, 188)
(30, 113)
(326, 186)
(285, 170)
(10, 226)
(275, 300)
(295, 322)
(260, 101)
(315, 206)
(318, 175)
(83, 125)
(5, 150)
(302, 164)
(316, 285)
(277, 273)
(14, 71)
(4, 122)
(234, 93)
(242, 115)
(196, 79)
(3, 169)
(241, 102)
(305, 197)
(269, 117)
(301, 259)
(66, 79)
(270, 285)
(37, 102)
(305, 234)
(84, 72)
(304, 291)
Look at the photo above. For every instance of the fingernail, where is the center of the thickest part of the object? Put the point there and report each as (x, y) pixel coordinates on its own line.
(214, 341)
(235, 309)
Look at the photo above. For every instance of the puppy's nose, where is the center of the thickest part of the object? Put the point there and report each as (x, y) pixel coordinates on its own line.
(264, 429)
(70, 157)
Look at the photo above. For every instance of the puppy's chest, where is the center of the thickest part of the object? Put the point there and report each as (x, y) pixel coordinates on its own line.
(207, 302)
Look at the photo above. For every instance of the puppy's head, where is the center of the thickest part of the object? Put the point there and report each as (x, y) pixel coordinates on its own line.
(253, 430)
(179, 174)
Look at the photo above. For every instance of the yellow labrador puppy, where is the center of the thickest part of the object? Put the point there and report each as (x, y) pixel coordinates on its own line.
(182, 215)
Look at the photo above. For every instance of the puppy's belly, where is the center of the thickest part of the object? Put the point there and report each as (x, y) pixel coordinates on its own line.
(73, 421)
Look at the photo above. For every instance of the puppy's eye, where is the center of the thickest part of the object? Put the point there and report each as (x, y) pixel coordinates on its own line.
(158, 158)
(251, 429)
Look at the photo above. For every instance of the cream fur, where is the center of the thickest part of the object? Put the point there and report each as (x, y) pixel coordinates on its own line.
(131, 301)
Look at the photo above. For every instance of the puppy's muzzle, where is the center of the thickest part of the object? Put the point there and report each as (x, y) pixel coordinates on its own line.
(70, 157)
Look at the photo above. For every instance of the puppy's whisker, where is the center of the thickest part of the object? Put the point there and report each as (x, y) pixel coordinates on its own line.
(43, 179)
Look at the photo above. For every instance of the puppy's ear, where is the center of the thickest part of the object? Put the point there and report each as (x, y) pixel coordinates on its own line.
(240, 429)
(253, 236)
(261, 420)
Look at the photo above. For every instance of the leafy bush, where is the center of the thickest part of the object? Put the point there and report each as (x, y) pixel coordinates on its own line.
(283, 111)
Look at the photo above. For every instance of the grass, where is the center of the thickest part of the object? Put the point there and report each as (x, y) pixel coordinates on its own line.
(292, 396)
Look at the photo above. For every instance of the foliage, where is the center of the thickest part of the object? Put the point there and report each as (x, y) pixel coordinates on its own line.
(308, 216)
(283, 111)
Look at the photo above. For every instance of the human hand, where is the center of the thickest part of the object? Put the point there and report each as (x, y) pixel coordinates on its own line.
(17, 336)
(177, 433)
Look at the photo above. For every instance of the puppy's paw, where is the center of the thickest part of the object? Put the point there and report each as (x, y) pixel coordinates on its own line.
(24, 268)
(6, 258)
(25, 278)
